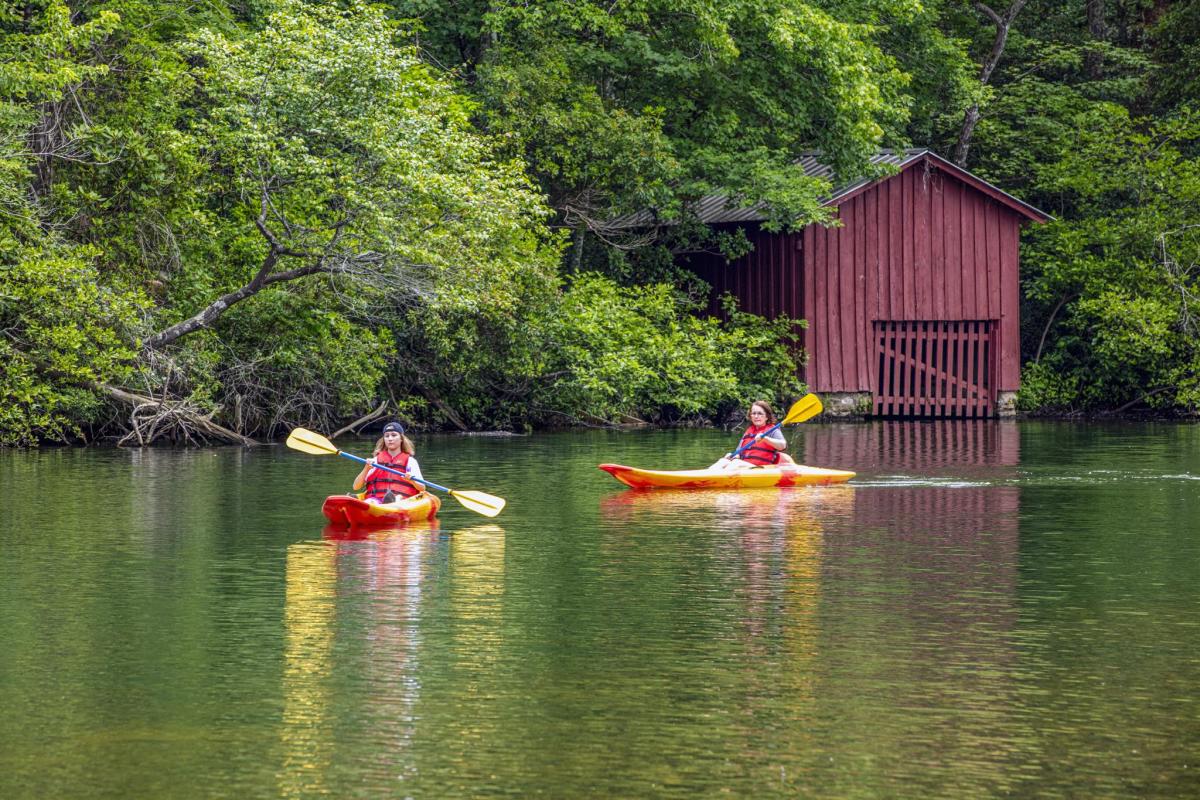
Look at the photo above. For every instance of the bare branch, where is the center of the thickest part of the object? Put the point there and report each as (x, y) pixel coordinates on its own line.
(363, 420)
(152, 418)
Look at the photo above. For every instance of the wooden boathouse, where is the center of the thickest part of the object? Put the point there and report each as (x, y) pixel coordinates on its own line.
(912, 302)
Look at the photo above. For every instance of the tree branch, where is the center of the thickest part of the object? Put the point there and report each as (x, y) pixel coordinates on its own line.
(363, 420)
(263, 278)
(1141, 399)
(971, 117)
(1041, 342)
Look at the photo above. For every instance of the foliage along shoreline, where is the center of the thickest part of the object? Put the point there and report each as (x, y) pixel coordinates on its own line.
(224, 220)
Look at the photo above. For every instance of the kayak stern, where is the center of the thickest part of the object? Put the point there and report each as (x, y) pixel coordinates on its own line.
(350, 512)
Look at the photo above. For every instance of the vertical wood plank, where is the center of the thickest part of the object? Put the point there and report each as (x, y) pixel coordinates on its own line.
(995, 263)
(980, 380)
(807, 283)
(964, 383)
(885, 382)
(906, 263)
(939, 367)
(861, 297)
(848, 270)
(1007, 340)
(952, 364)
(922, 279)
(982, 267)
(877, 390)
(871, 265)
(883, 238)
(967, 246)
(912, 371)
(937, 256)
(820, 294)
(924, 355)
(831, 297)
(953, 251)
(895, 245)
(833, 310)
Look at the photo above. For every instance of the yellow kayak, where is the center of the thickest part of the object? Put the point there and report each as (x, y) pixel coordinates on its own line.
(748, 478)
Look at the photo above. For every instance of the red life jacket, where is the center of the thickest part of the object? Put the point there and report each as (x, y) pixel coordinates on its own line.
(379, 481)
(760, 452)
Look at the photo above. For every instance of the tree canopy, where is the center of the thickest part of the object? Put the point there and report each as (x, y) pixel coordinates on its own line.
(219, 220)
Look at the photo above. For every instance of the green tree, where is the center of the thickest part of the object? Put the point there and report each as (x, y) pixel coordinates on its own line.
(1117, 284)
(225, 164)
(598, 353)
(653, 104)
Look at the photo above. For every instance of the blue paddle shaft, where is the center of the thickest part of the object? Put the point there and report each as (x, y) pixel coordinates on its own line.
(747, 445)
(404, 475)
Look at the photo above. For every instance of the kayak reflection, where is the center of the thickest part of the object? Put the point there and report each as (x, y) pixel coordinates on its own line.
(731, 509)
(353, 634)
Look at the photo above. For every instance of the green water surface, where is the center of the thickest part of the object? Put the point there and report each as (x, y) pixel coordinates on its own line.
(987, 610)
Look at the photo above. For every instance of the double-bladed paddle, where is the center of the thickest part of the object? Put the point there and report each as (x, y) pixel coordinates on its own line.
(308, 442)
(805, 408)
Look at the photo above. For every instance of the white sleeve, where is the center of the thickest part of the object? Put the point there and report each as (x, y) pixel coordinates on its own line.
(414, 469)
(776, 440)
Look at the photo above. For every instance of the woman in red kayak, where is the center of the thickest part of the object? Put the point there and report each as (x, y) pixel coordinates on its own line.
(766, 446)
(394, 450)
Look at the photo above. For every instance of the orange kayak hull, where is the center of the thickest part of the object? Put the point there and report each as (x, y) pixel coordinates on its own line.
(350, 512)
(752, 478)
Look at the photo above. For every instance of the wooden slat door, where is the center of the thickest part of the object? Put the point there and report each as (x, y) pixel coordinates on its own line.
(935, 368)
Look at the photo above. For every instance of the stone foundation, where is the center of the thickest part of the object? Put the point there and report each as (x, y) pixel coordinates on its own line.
(846, 404)
(1006, 404)
(859, 404)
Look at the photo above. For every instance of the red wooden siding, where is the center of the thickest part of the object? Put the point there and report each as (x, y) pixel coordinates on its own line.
(916, 246)
(924, 245)
(769, 281)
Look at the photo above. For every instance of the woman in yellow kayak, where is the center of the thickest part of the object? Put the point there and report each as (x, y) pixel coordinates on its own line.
(763, 440)
(393, 450)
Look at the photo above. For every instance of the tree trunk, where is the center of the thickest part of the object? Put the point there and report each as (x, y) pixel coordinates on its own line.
(577, 255)
(1093, 62)
(363, 420)
(1050, 321)
(971, 118)
(211, 313)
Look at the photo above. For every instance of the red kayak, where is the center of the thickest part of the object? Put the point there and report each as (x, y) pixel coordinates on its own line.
(350, 512)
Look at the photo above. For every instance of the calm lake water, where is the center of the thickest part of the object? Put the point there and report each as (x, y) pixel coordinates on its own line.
(988, 610)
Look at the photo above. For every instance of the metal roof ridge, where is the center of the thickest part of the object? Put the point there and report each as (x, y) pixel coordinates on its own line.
(712, 209)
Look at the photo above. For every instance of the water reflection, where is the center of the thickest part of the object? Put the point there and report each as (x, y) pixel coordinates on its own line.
(977, 614)
(882, 614)
(920, 604)
(309, 613)
(917, 447)
(361, 600)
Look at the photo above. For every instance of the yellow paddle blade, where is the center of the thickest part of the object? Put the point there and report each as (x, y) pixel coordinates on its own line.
(480, 502)
(308, 442)
(806, 407)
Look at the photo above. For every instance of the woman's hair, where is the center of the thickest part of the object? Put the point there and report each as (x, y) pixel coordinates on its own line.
(765, 406)
(406, 445)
